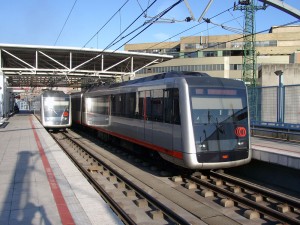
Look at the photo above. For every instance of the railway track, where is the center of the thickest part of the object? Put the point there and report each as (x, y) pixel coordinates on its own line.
(256, 201)
(140, 198)
(131, 203)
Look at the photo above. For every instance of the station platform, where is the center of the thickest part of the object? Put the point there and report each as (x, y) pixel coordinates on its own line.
(39, 184)
(278, 152)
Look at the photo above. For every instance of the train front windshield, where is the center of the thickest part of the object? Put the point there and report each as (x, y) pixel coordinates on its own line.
(56, 110)
(220, 122)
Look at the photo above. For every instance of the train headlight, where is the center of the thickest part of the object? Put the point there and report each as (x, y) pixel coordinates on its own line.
(201, 147)
(241, 144)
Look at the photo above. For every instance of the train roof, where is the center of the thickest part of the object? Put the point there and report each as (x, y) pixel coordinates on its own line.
(161, 76)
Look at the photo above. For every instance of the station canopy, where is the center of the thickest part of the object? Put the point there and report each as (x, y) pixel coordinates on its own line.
(48, 66)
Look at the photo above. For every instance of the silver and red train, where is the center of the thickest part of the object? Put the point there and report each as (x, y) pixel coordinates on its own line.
(191, 119)
(53, 109)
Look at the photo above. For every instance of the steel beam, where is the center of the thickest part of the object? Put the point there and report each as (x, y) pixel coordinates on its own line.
(283, 7)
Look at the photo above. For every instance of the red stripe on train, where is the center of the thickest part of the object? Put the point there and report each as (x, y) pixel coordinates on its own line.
(172, 153)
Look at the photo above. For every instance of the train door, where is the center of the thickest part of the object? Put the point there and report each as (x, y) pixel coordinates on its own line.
(176, 121)
(148, 124)
(140, 115)
(161, 116)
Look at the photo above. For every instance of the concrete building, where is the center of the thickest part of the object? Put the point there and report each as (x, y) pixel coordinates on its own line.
(222, 55)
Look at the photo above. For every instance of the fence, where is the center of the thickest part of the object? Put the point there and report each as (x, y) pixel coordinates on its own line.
(275, 106)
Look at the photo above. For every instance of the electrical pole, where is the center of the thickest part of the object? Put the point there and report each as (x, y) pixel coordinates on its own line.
(249, 57)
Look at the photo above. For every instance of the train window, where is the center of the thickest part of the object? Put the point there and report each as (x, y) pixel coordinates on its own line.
(83, 105)
(168, 105)
(140, 108)
(157, 105)
(176, 114)
(160, 105)
(113, 105)
(130, 105)
(103, 105)
(148, 105)
(171, 106)
(218, 105)
(118, 103)
(55, 106)
(89, 105)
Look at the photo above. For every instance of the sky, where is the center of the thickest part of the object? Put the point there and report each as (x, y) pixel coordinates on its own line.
(103, 24)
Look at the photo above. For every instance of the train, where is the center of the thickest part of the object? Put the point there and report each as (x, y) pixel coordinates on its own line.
(53, 109)
(190, 119)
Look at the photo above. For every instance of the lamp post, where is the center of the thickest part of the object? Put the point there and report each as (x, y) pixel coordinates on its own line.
(279, 73)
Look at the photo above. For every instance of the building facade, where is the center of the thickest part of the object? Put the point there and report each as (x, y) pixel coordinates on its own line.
(222, 55)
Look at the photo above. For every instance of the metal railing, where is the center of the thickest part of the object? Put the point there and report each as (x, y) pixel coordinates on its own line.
(275, 106)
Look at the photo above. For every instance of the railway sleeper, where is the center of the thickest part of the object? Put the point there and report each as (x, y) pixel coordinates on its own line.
(112, 179)
(139, 215)
(120, 185)
(227, 203)
(141, 203)
(156, 215)
(257, 198)
(251, 214)
(130, 193)
(283, 208)
(190, 185)
(177, 179)
(94, 168)
(207, 193)
(236, 189)
(217, 182)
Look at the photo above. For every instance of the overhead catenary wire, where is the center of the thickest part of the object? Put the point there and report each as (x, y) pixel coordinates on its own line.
(158, 16)
(65, 22)
(115, 40)
(151, 22)
(145, 11)
(105, 23)
(231, 29)
(190, 28)
(294, 22)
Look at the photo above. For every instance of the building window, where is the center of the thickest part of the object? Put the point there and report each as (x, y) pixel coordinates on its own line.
(190, 46)
(210, 54)
(237, 44)
(191, 55)
(236, 66)
(265, 43)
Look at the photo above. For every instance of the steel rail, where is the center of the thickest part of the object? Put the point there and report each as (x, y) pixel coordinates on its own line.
(246, 202)
(113, 204)
(294, 202)
(167, 211)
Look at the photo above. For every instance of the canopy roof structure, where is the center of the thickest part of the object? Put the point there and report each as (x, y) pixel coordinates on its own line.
(51, 66)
